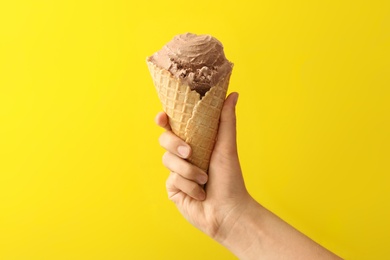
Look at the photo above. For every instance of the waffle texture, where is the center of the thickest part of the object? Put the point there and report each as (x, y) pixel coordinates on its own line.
(194, 119)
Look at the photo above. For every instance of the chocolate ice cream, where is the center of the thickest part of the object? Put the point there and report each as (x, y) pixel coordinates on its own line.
(197, 60)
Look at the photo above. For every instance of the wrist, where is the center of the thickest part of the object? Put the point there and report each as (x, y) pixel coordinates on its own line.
(241, 232)
(258, 233)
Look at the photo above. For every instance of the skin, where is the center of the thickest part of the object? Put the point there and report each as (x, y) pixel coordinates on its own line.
(219, 204)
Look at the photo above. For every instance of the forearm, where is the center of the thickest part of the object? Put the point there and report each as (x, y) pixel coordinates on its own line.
(259, 234)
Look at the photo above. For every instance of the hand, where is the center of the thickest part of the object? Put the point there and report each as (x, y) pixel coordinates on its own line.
(215, 208)
(224, 210)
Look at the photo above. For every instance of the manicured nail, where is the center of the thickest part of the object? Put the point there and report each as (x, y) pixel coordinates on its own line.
(202, 179)
(236, 99)
(202, 195)
(183, 151)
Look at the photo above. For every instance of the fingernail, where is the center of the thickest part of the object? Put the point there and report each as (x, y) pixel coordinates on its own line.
(236, 99)
(202, 179)
(183, 151)
(202, 195)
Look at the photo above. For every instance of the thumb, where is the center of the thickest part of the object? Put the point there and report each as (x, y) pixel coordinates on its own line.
(225, 171)
(226, 137)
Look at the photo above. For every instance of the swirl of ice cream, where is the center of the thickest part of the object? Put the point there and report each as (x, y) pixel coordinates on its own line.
(197, 60)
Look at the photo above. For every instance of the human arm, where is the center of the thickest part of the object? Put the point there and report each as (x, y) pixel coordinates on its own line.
(224, 210)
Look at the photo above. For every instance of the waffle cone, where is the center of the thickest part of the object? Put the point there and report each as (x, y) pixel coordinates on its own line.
(194, 119)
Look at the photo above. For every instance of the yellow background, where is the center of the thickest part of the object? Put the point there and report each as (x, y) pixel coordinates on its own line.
(80, 166)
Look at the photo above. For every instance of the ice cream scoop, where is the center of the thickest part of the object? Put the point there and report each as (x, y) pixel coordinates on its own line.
(197, 60)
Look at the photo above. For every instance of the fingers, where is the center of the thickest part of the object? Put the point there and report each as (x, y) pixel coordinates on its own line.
(176, 184)
(173, 144)
(162, 121)
(184, 168)
(169, 141)
(184, 177)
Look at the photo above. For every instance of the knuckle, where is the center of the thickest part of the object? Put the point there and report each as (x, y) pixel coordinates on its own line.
(168, 184)
(169, 181)
(162, 139)
(175, 177)
(165, 158)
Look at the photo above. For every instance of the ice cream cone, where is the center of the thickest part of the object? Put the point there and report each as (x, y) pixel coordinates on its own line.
(192, 118)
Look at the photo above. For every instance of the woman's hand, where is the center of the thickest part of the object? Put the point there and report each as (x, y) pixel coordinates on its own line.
(215, 208)
(224, 210)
